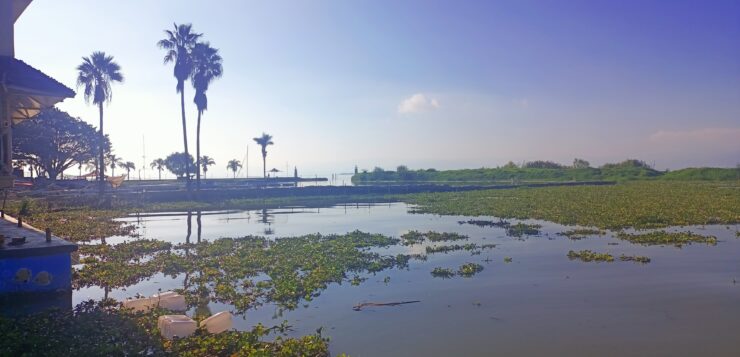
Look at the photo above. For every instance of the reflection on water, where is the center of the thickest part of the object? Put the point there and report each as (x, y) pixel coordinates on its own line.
(682, 303)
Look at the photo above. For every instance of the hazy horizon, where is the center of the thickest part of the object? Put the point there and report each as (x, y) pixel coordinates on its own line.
(419, 83)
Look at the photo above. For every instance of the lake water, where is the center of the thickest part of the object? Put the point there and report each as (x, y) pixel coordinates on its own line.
(684, 302)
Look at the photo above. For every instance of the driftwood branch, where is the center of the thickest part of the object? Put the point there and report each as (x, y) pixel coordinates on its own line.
(369, 304)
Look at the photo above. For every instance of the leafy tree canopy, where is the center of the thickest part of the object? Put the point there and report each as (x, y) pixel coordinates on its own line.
(55, 141)
(177, 163)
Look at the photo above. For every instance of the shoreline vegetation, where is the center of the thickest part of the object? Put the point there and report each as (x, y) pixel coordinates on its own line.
(546, 171)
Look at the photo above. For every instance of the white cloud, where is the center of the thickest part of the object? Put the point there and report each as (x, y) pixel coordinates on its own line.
(418, 103)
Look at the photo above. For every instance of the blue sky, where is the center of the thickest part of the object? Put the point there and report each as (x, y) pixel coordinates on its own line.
(445, 84)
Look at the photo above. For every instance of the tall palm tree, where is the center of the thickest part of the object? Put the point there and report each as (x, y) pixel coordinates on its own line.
(96, 74)
(206, 161)
(179, 45)
(206, 67)
(128, 166)
(264, 141)
(159, 165)
(113, 161)
(234, 165)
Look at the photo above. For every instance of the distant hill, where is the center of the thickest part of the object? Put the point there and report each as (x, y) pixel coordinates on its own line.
(626, 170)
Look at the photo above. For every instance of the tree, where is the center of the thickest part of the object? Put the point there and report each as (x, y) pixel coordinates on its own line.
(581, 164)
(178, 163)
(53, 141)
(96, 74)
(206, 161)
(206, 67)
(179, 46)
(511, 165)
(159, 165)
(234, 165)
(128, 166)
(540, 164)
(264, 141)
(113, 161)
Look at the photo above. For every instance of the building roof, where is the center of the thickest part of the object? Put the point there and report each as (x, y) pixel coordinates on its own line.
(16, 74)
(29, 89)
(18, 7)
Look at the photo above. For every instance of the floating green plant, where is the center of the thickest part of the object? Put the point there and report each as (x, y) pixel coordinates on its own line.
(412, 237)
(523, 229)
(444, 273)
(245, 272)
(456, 247)
(580, 233)
(636, 259)
(639, 204)
(589, 256)
(415, 237)
(508, 260)
(469, 269)
(677, 239)
(486, 223)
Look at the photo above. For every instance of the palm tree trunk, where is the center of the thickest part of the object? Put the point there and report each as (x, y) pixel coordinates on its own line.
(101, 172)
(160, 174)
(197, 153)
(185, 139)
(264, 166)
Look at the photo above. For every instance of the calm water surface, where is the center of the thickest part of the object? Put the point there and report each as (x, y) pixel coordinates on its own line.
(684, 302)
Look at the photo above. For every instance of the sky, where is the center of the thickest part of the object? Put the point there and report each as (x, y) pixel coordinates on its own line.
(443, 84)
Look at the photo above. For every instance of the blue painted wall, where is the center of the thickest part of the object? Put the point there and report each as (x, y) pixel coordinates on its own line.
(36, 274)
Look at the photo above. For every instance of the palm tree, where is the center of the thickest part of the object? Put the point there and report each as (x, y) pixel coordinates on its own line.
(206, 67)
(234, 165)
(206, 161)
(113, 161)
(96, 74)
(179, 46)
(128, 166)
(159, 165)
(264, 141)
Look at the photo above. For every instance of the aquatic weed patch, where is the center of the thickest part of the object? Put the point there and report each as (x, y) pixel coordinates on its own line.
(469, 269)
(124, 264)
(457, 247)
(635, 258)
(523, 229)
(677, 239)
(486, 223)
(639, 204)
(416, 237)
(444, 273)
(589, 256)
(245, 272)
(580, 233)
(412, 237)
